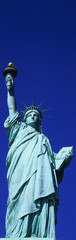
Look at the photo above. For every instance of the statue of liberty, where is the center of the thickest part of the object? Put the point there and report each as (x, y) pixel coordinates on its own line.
(33, 171)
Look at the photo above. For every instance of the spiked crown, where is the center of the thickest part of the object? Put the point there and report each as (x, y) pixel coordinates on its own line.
(35, 108)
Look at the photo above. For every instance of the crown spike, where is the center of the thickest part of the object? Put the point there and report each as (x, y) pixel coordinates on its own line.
(45, 110)
(21, 112)
(41, 104)
(24, 104)
(35, 108)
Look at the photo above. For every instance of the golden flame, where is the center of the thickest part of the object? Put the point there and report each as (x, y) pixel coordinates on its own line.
(11, 64)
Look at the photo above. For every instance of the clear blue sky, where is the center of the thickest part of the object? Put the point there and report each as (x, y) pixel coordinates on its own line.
(39, 37)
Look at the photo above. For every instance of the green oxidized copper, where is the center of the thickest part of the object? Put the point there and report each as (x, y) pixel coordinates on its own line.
(34, 172)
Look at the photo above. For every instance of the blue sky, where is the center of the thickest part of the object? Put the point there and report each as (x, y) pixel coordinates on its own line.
(39, 37)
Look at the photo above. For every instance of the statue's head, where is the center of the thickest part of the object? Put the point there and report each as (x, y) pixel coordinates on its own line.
(33, 118)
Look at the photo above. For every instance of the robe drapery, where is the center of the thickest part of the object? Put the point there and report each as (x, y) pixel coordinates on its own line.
(32, 182)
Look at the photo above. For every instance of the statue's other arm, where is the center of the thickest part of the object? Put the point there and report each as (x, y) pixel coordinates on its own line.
(11, 102)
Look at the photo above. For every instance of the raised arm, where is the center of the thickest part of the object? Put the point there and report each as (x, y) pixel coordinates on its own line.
(10, 73)
(11, 102)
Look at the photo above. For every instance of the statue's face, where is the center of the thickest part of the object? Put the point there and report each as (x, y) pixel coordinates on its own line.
(32, 118)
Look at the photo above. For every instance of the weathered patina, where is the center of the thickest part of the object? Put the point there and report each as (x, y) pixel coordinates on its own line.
(34, 172)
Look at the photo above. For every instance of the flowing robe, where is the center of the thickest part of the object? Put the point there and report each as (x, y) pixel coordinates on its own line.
(32, 182)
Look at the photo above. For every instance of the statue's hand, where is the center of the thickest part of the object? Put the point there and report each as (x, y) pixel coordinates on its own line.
(9, 81)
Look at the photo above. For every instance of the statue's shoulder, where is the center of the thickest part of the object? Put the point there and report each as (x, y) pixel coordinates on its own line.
(23, 125)
(45, 139)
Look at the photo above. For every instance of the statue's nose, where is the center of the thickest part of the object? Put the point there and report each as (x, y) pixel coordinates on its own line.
(32, 116)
